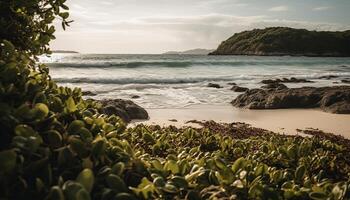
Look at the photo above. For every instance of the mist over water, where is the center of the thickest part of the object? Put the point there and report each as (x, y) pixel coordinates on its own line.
(171, 81)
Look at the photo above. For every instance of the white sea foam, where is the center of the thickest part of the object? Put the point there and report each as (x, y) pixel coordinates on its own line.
(170, 81)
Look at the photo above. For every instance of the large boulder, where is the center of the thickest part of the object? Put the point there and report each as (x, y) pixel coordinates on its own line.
(214, 85)
(236, 88)
(330, 99)
(286, 80)
(125, 109)
(346, 81)
(278, 86)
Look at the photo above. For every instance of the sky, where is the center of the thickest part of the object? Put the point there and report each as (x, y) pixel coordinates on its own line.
(157, 26)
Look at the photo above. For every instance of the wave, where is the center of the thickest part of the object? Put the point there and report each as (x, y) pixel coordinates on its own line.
(123, 81)
(176, 64)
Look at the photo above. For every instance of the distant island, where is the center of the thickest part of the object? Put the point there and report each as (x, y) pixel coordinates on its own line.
(190, 52)
(63, 51)
(279, 41)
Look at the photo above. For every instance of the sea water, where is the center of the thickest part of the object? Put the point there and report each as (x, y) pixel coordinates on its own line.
(176, 81)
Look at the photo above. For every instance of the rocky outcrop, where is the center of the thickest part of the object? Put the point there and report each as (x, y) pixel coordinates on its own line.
(278, 41)
(88, 93)
(278, 86)
(214, 85)
(125, 109)
(285, 80)
(236, 88)
(328, 77)
(330, 99)
(135, 97)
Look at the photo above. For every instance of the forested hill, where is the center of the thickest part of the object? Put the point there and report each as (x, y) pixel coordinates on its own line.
(286, 41)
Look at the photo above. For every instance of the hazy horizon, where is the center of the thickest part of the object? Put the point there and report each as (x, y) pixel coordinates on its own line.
(158, 26)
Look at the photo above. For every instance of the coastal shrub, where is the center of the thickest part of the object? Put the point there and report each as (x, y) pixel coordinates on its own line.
(56, 145)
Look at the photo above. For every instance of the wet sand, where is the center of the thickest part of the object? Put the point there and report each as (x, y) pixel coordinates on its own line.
(284, 121)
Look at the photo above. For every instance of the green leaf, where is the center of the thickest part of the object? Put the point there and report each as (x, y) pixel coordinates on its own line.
(25, 130)
(82, 195)
(7, 161)
(238, 164)
(41, 110)
(118, 168)
(55, 193)
(86, 178)
(79, 147)
(98, 148)
(116, 183)
(172, 166)
(300, 172)
(148, 138)
(124, 196)
(75, 126)
(71, 107)
(64, 15)
(64, 7)
(54, 138)
(318, 195)
(145, 188)
(85, 134)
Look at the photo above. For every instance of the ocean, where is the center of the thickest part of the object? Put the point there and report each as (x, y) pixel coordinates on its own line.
(177, 81)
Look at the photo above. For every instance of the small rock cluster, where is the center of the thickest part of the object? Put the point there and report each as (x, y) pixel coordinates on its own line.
(330, 99)
(125, 109)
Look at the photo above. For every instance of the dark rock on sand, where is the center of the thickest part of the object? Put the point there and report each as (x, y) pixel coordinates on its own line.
(88, 93)
(328, 77)
(231, 83)
(334, 99)
(278, 86)
(346, 81)
(135, 96)
(125, 109)
(214, 85)
(236, 88)
(286, 80)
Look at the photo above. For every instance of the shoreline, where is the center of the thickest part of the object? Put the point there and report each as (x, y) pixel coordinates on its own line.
(283, 121)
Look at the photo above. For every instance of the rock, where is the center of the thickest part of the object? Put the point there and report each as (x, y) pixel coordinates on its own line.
(135, 96)
(334, 99)
(172, 120)
(346, 81)
(88, 93)
(213, 85)
(236, 88)
(231, 83)
(278, 86)
(285, 80)
(125, 109)
(328, 77)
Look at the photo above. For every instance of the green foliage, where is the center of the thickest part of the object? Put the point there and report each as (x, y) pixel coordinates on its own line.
(286, 41)
(55, 145)
(28, 24)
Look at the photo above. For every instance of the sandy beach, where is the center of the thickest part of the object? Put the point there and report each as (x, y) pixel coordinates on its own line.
(284, 121)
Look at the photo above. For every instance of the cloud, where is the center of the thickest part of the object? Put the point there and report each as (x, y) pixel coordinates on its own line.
(279, 8)
(322, 8)
(159, 34)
